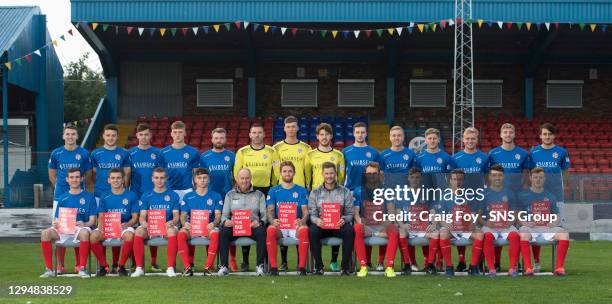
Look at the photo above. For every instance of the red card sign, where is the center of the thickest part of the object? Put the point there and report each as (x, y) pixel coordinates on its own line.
(67, 220)
(287, 214)
(242, 222)
(501, 212)
(330, 215)
(459, 224)
(369, 209)
(417, 212)
(542, 208)
(156, 220)
(111, 225)
(199, 222)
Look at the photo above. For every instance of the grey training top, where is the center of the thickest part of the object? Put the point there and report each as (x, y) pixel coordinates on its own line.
(252, 200)
(339, 194)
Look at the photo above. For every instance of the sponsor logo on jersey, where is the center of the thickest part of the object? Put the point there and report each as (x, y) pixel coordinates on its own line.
(125, 201)
(167, 198)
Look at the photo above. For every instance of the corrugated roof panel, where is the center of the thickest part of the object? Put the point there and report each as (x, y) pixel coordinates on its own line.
(13, 19)
(578, 11)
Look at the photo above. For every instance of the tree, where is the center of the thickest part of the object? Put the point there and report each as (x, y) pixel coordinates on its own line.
(83, 88)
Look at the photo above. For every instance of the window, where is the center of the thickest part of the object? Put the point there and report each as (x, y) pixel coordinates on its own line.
(215, 92)
(356, 93)
(428, 92)
(488, 93)
(564, 93)
(299, 92)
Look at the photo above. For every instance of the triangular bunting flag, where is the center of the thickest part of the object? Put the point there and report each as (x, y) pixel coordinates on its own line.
(458, 21)
(294, 31)
(411, 24)
(63, 38)
(323, 33)
(140, 31)
(489, 23)
(104, 27)
(433, 27)
(480, 22)
(8, 65)
(255, 26)
(195, 30)
(593, 26)
(410, 28)
(162, 31)
(28, 57)
(379, 32)
(94, 26)
(547, 24)
(345, 34)
(420, 27)
(399, 30)
(528, 25)
(603, 27)
(519, 25)
(205, 28)
(509, 25)
(228, 26)
(391, 30)
(273, 29)
(451, 22)
(266, 28)
(54, 43)
(334, 34)
(238, 24)
(442, 24)
(246, 24)
(581, 25)
(116, 30)
(500, 24)
(283, 30)
(538, 26)
(152, 31)
(557, 25)
(18, 61)
(356, 34)
(368, 33)
(129, 29)
(311, 31)
(216, 27)
(37, 52)
(70, 32)
(173, 31)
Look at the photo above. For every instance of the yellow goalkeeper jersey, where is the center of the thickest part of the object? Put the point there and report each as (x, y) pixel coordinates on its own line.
(314, 162)
(296, 153)
(259, 161)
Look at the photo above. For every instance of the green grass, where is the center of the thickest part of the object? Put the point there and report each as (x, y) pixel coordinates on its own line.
(588, 264)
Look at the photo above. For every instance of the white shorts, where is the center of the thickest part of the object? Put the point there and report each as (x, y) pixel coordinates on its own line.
(128, 229)
(404, 230)
(373, 230)
(546, 233)
(461, 234)
(182, 193)
(288, 233)
(499, 233)
(73, 237)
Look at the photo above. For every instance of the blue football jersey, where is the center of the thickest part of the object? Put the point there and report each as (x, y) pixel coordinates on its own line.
(84, 202)
(167, 200)
(126, 203)
(220, 166)
(210, 201)
(63, 160)
(356, 159)
(434, 167)
(475, 165)
(514, 162)
(396, 164)
(143, 162)
(553, 161)
(103, 160)
(295, 195)
(179, 165)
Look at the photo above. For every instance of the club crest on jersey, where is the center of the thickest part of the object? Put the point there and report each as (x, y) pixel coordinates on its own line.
(226, 158)
(439, 160)
(504, 198)
(209, 202)
(405, 157)
(82, 201)
(299, 150)
(295, 195)
(265, 156)
(332, 158)
(368, 155)
(546, 199)
(555, 155)
(167, 198)
(125, 201)
(517, 156)
(478, 160)
(77, 157)
(153, 156)
(186, 155)
(117, 157)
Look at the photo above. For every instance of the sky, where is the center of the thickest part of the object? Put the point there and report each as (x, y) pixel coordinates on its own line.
(58, 23)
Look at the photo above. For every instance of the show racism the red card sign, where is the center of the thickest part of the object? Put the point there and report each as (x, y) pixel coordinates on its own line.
(459, 221)
(541, 208)
(369, 210)
(287, 214)
(500, 209)
(199, 222)
(66, 220)
(242, 222)
(111, 225)
(330, 215)
(418, 213)
(156, 220)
